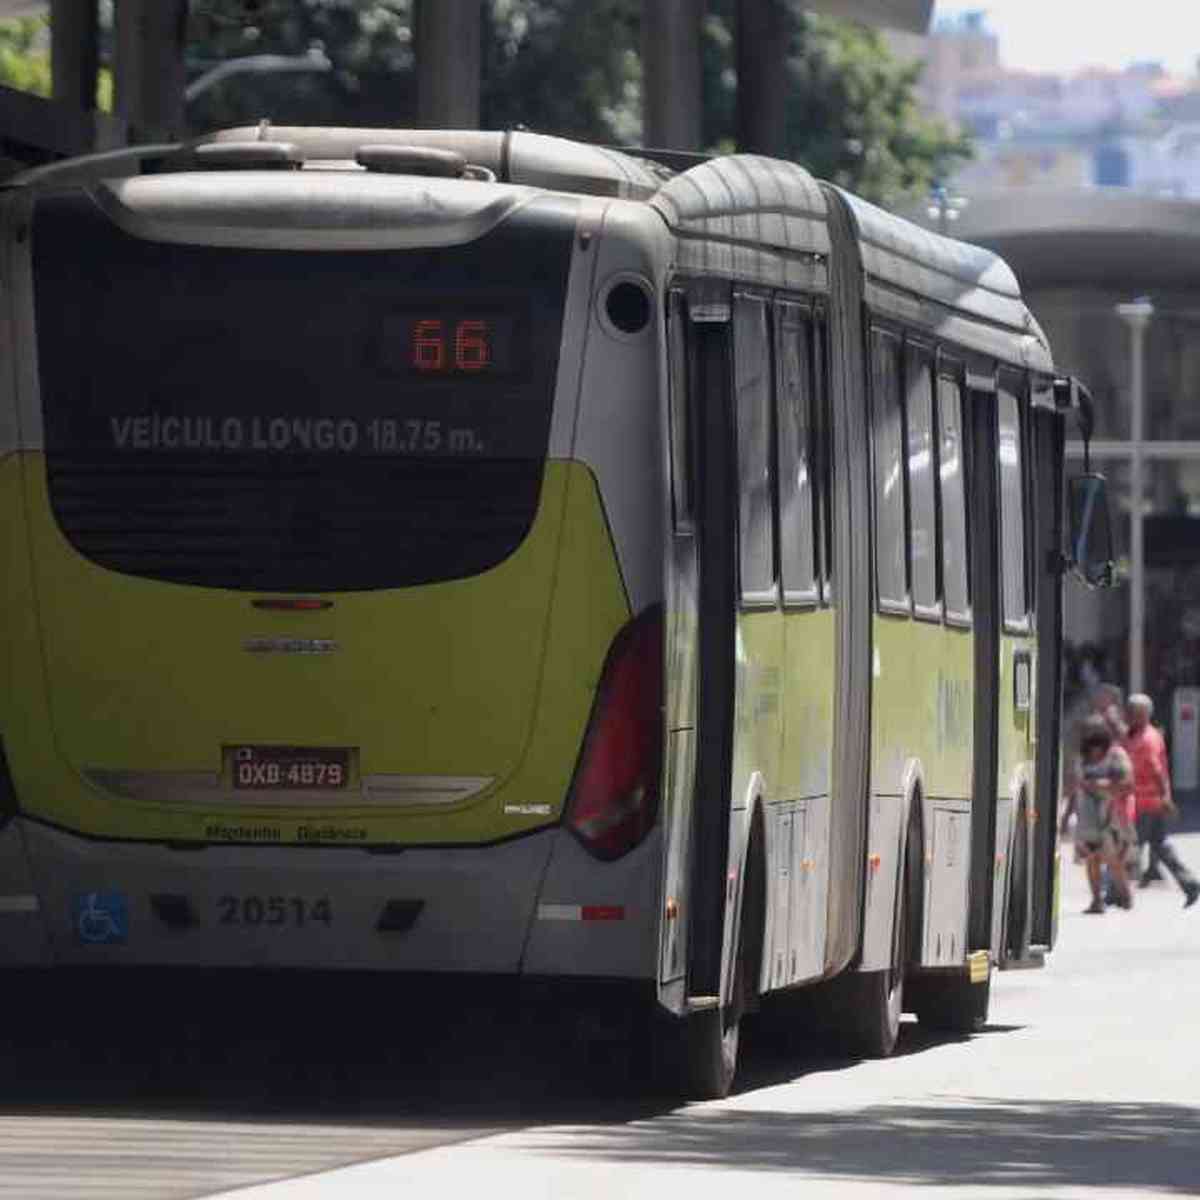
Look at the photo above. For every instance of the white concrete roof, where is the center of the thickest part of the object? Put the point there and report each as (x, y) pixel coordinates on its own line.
(1106, 237)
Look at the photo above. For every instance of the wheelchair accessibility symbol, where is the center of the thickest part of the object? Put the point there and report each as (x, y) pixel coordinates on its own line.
(102, 918)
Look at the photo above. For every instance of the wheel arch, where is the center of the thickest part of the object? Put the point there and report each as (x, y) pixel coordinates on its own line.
(915, 795)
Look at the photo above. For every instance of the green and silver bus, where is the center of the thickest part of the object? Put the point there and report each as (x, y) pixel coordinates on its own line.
(475, 552)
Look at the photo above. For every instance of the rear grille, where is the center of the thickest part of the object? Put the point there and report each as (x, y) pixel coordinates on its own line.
(294, 523)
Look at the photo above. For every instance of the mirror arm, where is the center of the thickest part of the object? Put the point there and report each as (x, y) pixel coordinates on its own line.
(1071, 393)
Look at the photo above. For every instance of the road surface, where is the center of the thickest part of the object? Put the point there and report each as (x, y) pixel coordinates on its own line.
(1086, 1083)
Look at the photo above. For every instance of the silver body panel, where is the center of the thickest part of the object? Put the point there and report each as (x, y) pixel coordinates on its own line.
(479, 906)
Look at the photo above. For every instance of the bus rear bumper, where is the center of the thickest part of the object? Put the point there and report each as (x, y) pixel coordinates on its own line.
(24, 941)
(499, 909)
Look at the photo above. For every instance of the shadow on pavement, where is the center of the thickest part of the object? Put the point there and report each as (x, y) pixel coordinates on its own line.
(301, 1047)
(360, 1049)
(1016, 1145)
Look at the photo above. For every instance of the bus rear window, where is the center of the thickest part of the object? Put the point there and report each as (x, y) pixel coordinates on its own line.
(295, 421)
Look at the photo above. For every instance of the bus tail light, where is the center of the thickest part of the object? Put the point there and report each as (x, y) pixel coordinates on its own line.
(614, 799)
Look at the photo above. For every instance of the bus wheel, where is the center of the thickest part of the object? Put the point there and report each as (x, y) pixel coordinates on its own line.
(712, 1051)
(710, 1038)
(1017, 920)
(877, 997)
(951, 1004)
(696, 1056)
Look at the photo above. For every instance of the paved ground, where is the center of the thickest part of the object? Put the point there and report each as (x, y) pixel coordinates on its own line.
(1086, 1083)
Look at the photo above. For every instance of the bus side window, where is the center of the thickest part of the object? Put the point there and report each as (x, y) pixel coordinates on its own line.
(1012, 505)
(921, 466)
(822, 455)
(952, 495)
(752, 396)
(797, 495)
(891, 551)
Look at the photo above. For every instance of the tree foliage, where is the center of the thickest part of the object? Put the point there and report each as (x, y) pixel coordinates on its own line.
(367, 42)
(25, 54)
(570, 67)
(852, 115)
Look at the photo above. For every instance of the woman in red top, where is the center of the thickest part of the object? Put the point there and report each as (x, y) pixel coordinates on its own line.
(1152, 791)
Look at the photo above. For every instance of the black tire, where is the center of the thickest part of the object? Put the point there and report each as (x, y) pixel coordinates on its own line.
(951, 1004)
(875, 1003)
(712, 1053)
(876, 999)
(1016, 923)
(699, 1053)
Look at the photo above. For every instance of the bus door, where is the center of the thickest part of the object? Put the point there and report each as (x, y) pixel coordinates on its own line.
(1046, 456)
(983, 505)
(700, 643)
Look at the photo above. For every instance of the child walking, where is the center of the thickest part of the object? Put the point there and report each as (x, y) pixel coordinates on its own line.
(1105, 779)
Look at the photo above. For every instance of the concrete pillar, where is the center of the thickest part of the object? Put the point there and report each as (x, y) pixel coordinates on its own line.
(447, 38)
(74, 52)
(762, 45)
(671, 87)
(149, 76)
(1137, 316)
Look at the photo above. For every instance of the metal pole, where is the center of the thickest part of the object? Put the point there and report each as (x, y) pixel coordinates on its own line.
(148, 76)
(762, 88)
(1137, 316)
(74, 52)
(671, 102)
(447, 37)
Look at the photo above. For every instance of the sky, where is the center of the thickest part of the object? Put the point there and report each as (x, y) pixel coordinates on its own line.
(1064, 36)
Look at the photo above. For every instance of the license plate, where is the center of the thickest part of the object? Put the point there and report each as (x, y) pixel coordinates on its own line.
(290, 768)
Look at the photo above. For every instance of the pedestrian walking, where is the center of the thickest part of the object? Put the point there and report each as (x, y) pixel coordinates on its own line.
(1154, 802)
(1105, 775)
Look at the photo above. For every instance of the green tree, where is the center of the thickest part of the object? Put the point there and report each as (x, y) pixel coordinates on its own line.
(852, 113)
(572, 67)
(25, 54)
(568, 67)
(368, 43)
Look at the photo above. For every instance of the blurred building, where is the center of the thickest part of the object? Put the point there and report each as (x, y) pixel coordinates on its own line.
(1137, 128)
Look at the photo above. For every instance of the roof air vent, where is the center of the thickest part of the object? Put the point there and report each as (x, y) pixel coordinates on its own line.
(412, 160)
(249, 156)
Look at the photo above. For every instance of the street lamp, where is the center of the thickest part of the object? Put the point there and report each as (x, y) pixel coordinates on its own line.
(1137, 316)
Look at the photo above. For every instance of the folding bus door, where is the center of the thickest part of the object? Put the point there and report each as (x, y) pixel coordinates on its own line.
(983, 505)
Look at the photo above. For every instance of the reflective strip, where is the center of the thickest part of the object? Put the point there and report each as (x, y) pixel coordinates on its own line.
(560, 912)
(581, 912)
(19, 904)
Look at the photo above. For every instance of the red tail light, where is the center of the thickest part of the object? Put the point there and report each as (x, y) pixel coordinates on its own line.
(614, 800)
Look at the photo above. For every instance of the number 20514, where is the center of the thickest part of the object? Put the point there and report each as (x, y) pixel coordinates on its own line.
(292, 911)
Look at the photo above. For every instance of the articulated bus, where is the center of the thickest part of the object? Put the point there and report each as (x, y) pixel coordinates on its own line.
(473, 552)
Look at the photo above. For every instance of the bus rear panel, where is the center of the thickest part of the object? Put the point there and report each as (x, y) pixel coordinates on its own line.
(311, 620)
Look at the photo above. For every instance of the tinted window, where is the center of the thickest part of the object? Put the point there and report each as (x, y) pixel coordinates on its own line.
(823, 456)
(752, 396)
(1012, 507)
(921, 466)
(951, 472)
(296, 421)
(793, 394)
(888, 435)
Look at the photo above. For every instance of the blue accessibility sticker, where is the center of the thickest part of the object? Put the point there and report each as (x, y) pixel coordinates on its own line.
(102, 918)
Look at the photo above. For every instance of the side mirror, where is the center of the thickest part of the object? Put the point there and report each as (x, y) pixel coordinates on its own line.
(1091, 531)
